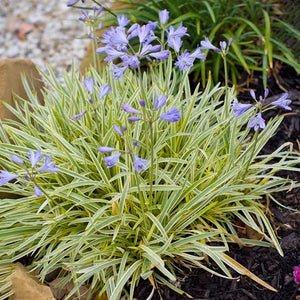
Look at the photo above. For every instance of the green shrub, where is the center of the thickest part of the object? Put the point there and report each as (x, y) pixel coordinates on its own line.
(110, 227)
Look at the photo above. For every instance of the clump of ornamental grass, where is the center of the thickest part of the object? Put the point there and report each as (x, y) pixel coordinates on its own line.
(126, 175)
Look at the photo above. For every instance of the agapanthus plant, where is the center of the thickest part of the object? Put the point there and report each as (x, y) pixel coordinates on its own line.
(145, 176)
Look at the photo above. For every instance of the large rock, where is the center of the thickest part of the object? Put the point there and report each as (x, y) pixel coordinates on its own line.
(11, 84)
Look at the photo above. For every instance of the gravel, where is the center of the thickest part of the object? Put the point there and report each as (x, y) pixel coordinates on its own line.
(54, 34)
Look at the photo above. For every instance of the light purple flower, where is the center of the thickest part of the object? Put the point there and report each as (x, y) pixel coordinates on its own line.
(160, 101)
(129, 109)
(257, 122)
(6, 176)
(206, 44)
(111, 160)
(89, 84)
(283, 102)
(148, 48)
(230, 42)
(130, 60)
(80, 115)
(198, 54)
(71, 3)
(37, 191)
(133, 119)
(163, 16)
(145, 33)
(136, 144)
(105, 149)
(112, 53)
(160, 55)
(139, 163)
(223, 45)
(118, 130)
(296, 274)
(118, 72)
(239, 108)
(174, 36)
(104, 90)
(34, 158)
(143, 103)
(184, 61)
(116, 38)
(48, 165)
(266, 93)
(173, 115)
(252, 93)
(122, 20)
(17, 159)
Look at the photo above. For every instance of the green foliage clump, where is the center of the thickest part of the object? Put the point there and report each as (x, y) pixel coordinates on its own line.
(110, 227)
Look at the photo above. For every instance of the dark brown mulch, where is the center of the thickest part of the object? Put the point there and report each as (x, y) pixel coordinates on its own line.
(266, 263)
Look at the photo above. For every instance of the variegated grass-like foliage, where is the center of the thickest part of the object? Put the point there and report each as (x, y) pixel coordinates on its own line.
(207, 173)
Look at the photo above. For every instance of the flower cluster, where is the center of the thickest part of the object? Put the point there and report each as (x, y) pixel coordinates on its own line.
(257, 121)
(89, 85)
(172, 115)
(31, 169)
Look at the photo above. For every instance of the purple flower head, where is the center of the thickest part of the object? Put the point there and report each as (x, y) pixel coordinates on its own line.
(133, 119)
(174, 36)
(296, 274)
(122, 20)
(266, 93)
(111, 160)
(89, 84)
(148, 48)
(48, 165)
(257, 122)
(116, 38)
(80, 115)
(124, 128)
(17, 159)
(252, 93)
(184, 61)
(160, 55)
(37, 191)
(104, 149)
(223, 45)
(163, 16)
(71, 3)
(145, 33)
(206, 44)
(34, 158)
(104, 90)
(118, 72)
(91, 101)
(129, 109)
(132, 31)
(230, 42)
(198, 54)
(239, 108)
(143, 103)
(160, 101)
(112, 53)
(130, 60)
(283, 102)
(172, 115)
(139, 163)
(136, 144)
(6, 176)
(118, 130)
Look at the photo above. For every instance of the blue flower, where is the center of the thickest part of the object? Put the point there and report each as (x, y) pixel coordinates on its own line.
(257, 122)
(145, 33)
(104, 149)
(139, 163)
(160, 101)
(163, 16)
(80, 115)
(174, 36)
(118, 130)
(118, 72)
(6, 176)
(17, 159)
(143, 103)
(130, 60)
(104, 90)
(129, 109)
(133, 119)
(160, 55)
(136, 144)
(283, 102)
(116, 38)
(37, 191)
(111, 160)
(206, 44)
(48, 165)
(252, 93)
(34, 158)
(198, 54)
(185, 61)
(89, 84)
(173, 115)
(122, 20)
(239, 108)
